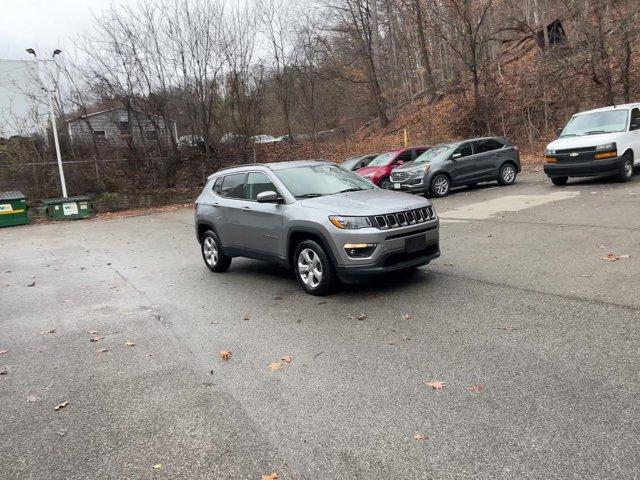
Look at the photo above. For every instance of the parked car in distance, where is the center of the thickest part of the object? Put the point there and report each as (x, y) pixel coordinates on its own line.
(324, 222)
(356, 163)
(378, 171)
(467, 162)
(601, 142)
(263, 139)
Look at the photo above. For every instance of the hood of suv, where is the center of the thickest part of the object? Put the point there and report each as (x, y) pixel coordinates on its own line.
(369, 170)
(584, 141)
(366, 202)
(410, 167)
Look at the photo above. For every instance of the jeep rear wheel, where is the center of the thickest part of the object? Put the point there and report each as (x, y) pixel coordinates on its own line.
(313, 268)
(214, 259)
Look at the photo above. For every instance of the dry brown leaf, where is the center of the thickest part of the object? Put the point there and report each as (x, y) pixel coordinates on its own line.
(406, 316)
(62, 405)
(476, 387)
(129, 344)
(45, 332)
(95, 339)
(418, 436)
(612, 257)
(436, 385)
(246, 317)
(275, 366)
(3, 371)
(2, 352)
(225, 354)
(287, 359)
(102, 350)
(272, 476)
(32, 284)
(93, 332)
(157, 466)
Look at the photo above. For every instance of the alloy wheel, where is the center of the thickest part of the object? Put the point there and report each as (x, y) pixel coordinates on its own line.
(508, 174)
(441, 186)
(628, 168)
(310, 268)
(210, 250)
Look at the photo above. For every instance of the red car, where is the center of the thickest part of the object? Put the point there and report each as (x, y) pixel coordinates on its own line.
(379, 169)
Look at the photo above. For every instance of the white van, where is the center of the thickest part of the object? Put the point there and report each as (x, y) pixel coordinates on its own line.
(601, 142)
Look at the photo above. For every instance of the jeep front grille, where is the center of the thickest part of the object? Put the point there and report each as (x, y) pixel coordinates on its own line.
(403, 219)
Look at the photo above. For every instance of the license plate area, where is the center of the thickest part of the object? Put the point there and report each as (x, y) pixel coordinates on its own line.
(397, 186)
(415, 244)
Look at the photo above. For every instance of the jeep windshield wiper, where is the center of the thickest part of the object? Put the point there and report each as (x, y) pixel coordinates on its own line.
(310, 195)
(348, 190)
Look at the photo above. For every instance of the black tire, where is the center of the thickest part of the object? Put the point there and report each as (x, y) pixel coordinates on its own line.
(214, 259)
(385, 183)
(440, 186)
(316, 255)
(559, 181)
(626, 169)
(507, 175)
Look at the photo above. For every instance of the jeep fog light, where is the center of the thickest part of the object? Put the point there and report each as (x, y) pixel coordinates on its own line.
(359, 249)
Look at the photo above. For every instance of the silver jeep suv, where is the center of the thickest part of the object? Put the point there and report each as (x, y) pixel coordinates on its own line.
(321, 220)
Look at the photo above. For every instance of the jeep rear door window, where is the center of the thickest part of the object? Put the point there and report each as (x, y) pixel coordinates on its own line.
(318, 180)
(609, 121)
(257, 183)
(233, 186)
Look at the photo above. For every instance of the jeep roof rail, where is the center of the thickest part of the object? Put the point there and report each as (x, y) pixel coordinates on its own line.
(243, 165)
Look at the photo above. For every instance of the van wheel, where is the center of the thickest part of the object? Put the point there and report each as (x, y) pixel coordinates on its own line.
(559, 181)
(440, 186)
(313, 268)
(507, 175)
(626, 171)
(214, 259)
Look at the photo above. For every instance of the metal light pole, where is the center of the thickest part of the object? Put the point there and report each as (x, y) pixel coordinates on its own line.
(50, 94)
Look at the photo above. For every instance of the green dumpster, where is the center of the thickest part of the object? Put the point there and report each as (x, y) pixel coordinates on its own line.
(69, 208)
(13, 209)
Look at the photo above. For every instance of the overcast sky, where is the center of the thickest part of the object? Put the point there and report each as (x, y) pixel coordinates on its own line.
(44, 24)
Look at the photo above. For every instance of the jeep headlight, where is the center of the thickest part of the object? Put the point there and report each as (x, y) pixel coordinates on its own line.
(349, 223)
(607, 146)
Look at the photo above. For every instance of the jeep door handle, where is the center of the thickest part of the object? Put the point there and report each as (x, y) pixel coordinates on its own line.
(215, 204)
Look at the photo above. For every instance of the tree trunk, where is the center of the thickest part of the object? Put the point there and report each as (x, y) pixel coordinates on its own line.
(427, 75)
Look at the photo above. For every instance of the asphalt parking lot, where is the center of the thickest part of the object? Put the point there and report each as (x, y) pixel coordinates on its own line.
(535, 337)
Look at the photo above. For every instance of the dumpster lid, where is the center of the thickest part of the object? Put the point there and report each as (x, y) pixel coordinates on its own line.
(79, 198)
(15, 195)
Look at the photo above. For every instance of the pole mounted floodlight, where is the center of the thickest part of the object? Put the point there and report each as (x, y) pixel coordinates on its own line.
(50, 94)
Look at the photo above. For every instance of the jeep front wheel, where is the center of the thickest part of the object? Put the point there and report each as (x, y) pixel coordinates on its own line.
(313, 268)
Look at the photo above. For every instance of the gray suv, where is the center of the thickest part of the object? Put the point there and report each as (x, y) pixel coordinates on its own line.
(461, 163)
(317, 218)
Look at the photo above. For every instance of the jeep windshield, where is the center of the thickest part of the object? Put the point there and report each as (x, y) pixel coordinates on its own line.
(319, 180)
(609, 121)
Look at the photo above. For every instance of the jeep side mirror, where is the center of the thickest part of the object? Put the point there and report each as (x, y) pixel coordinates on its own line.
(559, 131)
(268, 197)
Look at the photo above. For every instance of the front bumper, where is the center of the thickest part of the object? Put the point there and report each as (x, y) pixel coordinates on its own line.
(590, 168)
(390, 253)
(411, 185)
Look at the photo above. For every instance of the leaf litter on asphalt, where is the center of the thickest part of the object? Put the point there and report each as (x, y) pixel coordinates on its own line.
(47, 332)
(271, 476)
(476, 387)
(225, 355)
(275, 366)
(612, 257)
(129, 344)
(60, 406)
(419, 437)
(436, 385)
